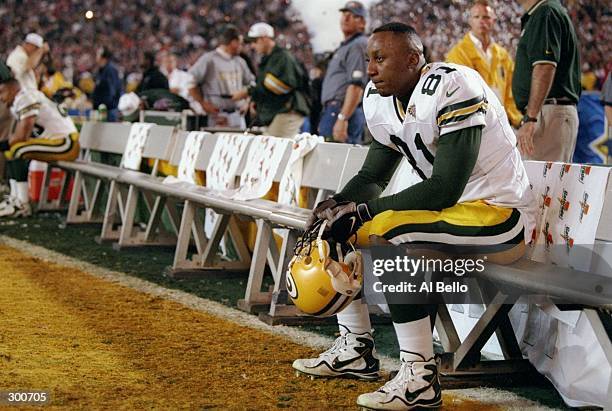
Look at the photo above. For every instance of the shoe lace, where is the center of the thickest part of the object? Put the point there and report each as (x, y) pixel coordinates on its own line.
(338, 345)
(404, 376)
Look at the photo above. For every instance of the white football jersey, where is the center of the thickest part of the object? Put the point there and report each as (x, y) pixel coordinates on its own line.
(51, 119)
(447, 98)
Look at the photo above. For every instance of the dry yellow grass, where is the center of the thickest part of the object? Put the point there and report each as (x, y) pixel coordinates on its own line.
(98, 345)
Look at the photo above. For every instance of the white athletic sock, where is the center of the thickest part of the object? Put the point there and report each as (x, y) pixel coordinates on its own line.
(415, 337)
(23, 195)
(355, 318)
(13, 187)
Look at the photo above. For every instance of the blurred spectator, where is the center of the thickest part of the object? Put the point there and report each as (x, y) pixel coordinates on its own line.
(153, 99)
(108, 84)
(342, 117)
(184, 28)
(25, 58)
(53, 80)
(281, 90)
(180, 81)
(87, 83)
(217, 75)
(477, 50)
(317, 74)
(606, 98)
(152, 78)
(546, 82)
(588, 79)
(436, 21)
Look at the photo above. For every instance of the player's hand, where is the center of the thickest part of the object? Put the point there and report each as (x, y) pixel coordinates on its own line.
(340, 131)
(347, 219)
(209, 107)
(322, 211)
(525, 138)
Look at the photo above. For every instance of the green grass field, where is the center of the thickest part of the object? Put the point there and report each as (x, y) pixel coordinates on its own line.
(47, 229)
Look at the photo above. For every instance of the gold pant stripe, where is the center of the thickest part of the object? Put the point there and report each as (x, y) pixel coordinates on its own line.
(465, 223)
(46, 149)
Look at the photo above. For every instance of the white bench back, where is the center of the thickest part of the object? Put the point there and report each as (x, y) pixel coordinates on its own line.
(354, 160)
(604, 229)
(323, 166)
(104, 137)
(160, 143)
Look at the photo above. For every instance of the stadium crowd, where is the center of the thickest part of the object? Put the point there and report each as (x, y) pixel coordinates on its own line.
(182, 27)
(189, 29)
(591, 20)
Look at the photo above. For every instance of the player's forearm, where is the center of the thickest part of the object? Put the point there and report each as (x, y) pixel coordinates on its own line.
(371, 180)
(455, 159)
(34, 58)
(352, 99)
(23, 130)
(541, 81)
(196, 94)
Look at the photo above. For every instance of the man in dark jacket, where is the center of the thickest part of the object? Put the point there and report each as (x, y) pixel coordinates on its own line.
(152, 78)
(108, 84)
(280, 92)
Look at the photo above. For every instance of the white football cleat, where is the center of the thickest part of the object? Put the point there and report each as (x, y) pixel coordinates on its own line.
(416, 385)
(351, 355)
(12, 207)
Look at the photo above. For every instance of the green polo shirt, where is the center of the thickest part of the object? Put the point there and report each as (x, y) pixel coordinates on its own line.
(548, 36)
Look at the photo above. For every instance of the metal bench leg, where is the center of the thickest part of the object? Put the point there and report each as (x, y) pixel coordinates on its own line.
(603, 338)
(59, 202)
(280, 305)
(110, 214)
(468, 353)
(210, 252)
(172, 211)
(44, 189)
(73, 205)
(244, 255)
(253, 294)
(184, 237)
(446, 329)
(93, 203)
(126, 235)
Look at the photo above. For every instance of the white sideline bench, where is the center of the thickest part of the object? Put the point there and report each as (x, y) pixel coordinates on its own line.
(326, 170)
(108, 138)
(464, 358)
(121, 203)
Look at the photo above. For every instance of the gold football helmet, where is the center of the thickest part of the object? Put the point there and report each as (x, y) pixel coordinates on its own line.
(319, 284)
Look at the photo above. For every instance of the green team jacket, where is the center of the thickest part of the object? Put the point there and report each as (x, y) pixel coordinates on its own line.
(280, 87)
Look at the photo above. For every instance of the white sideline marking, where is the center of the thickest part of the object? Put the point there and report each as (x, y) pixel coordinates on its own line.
(492, 396)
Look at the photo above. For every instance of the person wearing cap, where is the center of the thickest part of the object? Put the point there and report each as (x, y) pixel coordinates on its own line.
(281, 88)
(43, 131)
(216, 75)
(24, 59)
(546, 82)
(346, 76)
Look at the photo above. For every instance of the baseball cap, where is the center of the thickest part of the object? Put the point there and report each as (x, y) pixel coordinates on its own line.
(128, 105)
(34, 39)
(5, 72)
(260, 30)
(356, 8)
